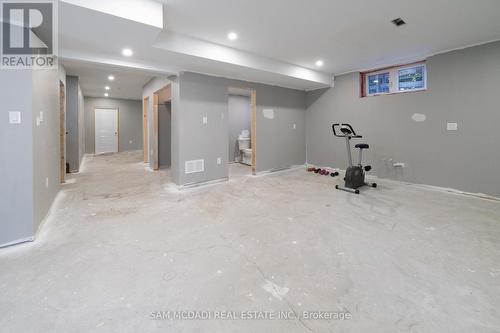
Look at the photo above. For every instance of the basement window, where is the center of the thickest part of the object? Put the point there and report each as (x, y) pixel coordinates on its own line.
(393, 80)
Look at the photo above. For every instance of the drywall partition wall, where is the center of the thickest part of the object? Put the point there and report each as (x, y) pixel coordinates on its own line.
(72, 124)
(164, 134)
(149, 89)
(463, 88)
(29, 151)
(129, 121)
(239, 119)
(46, 141)
(16, 158)
(280, 126)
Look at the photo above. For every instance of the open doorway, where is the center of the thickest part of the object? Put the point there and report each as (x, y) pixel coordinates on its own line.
(162, 128)
(242, 131)
(145, 132)
(62, 132)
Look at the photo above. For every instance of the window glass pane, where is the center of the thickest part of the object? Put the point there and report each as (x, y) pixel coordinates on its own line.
(411, 78)
(378, 83)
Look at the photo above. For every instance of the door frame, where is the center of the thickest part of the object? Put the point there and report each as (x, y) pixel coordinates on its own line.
(62, 132)
(145, 128)
(253, 134)
(253, 123)
(156, 100)
(117, 126)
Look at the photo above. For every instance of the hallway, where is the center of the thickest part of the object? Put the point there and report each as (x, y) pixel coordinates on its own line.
(122, 243)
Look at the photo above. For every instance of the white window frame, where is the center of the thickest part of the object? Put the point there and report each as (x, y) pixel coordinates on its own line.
(393, 79)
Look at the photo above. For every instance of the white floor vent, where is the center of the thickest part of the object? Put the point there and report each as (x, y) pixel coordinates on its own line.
(195, 166)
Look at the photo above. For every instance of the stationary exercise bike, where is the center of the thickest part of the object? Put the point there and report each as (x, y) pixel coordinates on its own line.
(355, 174)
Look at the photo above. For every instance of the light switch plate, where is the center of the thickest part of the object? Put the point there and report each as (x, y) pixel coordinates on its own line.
(294, 126)
(14, 117)
(205, 120)
(219, 160)
(452, 126)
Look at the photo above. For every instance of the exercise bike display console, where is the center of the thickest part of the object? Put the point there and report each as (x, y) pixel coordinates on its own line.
(355, 174)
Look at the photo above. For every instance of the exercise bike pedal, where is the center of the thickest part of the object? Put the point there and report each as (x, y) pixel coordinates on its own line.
(374, 185)
(368, 168)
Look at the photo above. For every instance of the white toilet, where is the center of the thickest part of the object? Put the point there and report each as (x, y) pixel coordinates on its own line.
(244, 147)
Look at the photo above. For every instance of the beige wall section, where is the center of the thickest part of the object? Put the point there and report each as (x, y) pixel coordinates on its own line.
(130, 122)
(463, 87)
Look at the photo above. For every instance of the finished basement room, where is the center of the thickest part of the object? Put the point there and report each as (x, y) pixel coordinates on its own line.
(235, 166)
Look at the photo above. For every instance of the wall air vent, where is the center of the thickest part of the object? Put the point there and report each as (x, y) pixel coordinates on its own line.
(194, 166)
(398, 22)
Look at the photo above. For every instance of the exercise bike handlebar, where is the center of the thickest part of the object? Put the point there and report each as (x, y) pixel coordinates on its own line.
(354, 135)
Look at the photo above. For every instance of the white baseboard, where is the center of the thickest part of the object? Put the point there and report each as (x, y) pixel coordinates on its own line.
(210, 182)
(425, 186)
(274, 171)
(19, 241)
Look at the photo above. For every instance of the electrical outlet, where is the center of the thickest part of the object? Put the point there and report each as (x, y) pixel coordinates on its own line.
(41, 116)
(14, 117)
(294, 126)
(452, 126)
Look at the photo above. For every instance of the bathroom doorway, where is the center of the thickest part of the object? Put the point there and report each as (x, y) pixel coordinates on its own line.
(241, 127)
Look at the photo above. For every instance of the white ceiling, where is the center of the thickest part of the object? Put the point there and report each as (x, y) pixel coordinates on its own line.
(347, 35)
(93, 78)
(279, 40)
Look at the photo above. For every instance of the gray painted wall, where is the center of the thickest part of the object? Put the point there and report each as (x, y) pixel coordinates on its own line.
(46, 154)
(16, 157)
(463, 87)
(279, 144)
(29, 152)
(130, 122)
(239, 119)
(164, 134)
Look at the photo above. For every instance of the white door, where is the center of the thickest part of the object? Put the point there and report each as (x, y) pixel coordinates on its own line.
(106, 131)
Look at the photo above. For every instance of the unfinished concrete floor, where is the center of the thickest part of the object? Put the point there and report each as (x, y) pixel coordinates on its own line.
(121, 243)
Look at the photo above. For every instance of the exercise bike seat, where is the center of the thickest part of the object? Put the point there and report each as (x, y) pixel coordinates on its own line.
(362, 146)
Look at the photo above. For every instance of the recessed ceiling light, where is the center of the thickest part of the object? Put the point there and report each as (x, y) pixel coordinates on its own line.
(127, 52)
(232, 36)
(319, 63)
(111, 78)
(106, 95)
(107, 88)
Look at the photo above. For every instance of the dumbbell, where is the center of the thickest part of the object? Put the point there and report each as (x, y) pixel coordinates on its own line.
(334, 174)
(316, 170)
